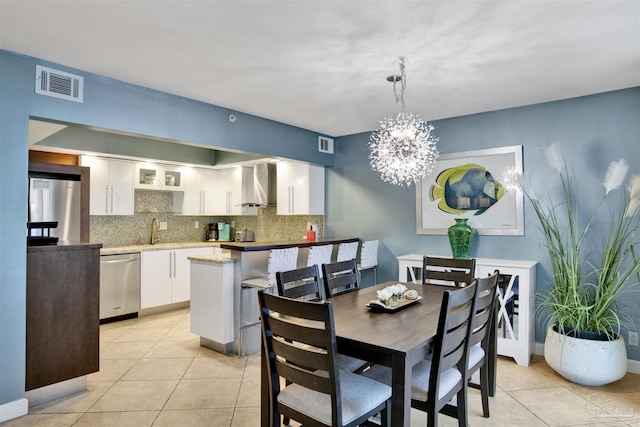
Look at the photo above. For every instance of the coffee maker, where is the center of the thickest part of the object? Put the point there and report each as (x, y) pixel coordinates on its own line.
(224, 232)
(212, 232)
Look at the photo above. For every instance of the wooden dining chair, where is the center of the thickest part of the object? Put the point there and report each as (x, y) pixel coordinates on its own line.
(300, 343)
(435, 382)
(302, 283)
(340, 277)
(444, 271)
(482, 325)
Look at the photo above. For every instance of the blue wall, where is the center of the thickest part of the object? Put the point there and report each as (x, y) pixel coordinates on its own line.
(113, 105)
(596, 129)
(592, 131)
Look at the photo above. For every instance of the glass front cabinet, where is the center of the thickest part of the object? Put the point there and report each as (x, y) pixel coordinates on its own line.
(156, 176)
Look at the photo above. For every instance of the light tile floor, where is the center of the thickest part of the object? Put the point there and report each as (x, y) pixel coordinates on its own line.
(153, 372)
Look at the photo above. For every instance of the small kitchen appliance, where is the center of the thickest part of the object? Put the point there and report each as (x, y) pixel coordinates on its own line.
(245, 236)
(224, 232)
(212, 232)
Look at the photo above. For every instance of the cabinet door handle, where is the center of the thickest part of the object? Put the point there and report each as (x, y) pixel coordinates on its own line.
(112, 199)
(170, 267)
(291, 208)
(106, 198)
(174, 264)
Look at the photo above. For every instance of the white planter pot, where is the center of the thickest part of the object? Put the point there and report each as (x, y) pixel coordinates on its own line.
(586, 362)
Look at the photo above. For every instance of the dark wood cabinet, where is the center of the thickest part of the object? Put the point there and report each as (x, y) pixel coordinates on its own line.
(63, 310)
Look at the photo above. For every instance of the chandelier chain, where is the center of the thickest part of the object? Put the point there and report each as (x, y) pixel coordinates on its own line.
(403, 149)
(403, 84)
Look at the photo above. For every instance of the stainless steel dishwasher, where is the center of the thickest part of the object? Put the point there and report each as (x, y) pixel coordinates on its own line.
(119, 286)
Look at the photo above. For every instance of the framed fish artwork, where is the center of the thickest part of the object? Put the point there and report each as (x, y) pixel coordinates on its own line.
(479, 185)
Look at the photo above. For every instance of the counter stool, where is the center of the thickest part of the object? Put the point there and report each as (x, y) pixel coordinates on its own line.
(369, 257)
(279, 260)
(347, 251)
(319, 255)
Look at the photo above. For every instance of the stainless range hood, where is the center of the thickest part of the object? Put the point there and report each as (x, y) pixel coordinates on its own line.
(264, 185)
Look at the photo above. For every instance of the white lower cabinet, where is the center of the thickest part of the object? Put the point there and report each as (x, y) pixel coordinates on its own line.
(165, 277)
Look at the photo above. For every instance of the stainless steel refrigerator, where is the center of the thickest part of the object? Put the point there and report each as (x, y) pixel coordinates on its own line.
(55, 200)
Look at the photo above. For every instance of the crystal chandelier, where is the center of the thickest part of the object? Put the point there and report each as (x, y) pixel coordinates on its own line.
(403, 149)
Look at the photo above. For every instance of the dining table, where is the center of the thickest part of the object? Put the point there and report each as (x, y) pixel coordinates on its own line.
(398, 337)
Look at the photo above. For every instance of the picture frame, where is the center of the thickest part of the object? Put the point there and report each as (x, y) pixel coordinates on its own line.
(459, 187)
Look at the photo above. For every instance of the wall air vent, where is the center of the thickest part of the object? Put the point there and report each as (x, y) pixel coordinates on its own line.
(325, 145)
(59, 84)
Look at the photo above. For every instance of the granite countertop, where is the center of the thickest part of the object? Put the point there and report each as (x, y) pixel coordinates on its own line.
(157, 247)
(213, 259)
(265, 246)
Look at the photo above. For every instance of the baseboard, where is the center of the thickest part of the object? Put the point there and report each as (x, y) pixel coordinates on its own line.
(15, 409)
(54, 391)
(162, 308)
(633, 366)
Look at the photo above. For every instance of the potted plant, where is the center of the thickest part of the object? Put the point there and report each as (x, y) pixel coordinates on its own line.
(593, 262)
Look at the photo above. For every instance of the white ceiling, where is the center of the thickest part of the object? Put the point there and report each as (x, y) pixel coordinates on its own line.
(322, 65)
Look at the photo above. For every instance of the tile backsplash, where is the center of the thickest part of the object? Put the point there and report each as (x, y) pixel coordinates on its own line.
(134, 229)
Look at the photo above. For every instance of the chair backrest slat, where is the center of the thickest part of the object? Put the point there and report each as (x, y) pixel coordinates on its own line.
(298, 331)
(300, 357)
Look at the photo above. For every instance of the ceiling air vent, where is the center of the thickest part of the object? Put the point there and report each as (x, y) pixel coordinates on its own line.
(59, 84)
(325, 145)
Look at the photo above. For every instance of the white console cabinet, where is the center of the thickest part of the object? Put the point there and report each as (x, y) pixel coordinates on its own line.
(516, 321)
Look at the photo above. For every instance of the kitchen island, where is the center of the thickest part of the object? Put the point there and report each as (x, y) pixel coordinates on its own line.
(212, 289)
(251, 259)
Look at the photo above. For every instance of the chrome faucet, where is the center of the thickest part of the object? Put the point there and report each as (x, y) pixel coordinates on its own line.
(154, 231)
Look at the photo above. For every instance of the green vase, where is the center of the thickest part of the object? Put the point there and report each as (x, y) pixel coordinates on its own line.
(460, 237)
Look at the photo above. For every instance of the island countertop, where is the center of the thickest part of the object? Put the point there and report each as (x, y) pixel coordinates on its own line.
(212, 259)
(156, 247)
(279, 244)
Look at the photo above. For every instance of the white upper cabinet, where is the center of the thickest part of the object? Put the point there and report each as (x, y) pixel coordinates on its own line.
(199, 195)
(300, 189)
(111, 185)
(215, 192)
(156, 176)
(235, 187)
